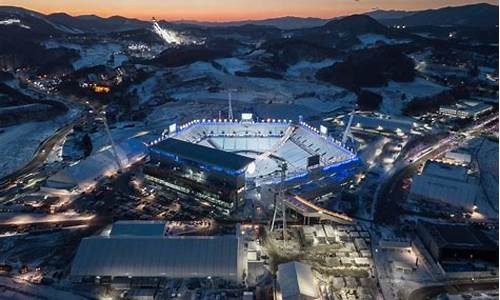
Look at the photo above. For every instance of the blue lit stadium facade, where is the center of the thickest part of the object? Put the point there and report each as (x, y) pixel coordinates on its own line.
(217, 161)
(213, 177)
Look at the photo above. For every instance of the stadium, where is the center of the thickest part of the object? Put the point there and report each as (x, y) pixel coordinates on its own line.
(217, 160)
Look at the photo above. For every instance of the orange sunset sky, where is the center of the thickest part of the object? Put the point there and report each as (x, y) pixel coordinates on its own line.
(226, 10)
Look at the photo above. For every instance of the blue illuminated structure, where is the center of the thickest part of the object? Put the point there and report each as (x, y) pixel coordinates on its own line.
(181, 163)
(207, 158)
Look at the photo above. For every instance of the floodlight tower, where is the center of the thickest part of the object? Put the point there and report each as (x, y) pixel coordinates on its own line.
(281, 197)
(230, 115)
(347, 131)
(230, 108)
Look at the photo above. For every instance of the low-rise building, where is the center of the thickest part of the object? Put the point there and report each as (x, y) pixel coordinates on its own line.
(457, 243)
(144, 253)
(465, 109)
(382, 125)
(445, 185)
(296, 281)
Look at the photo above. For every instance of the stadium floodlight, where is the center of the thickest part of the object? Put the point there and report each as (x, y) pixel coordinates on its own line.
(323, 130)
(251, 168)
(246, 116)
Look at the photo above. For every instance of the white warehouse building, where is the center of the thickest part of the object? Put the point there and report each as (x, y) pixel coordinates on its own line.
(296, 282)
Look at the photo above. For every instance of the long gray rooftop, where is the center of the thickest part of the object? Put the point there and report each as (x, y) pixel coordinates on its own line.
(172, 257)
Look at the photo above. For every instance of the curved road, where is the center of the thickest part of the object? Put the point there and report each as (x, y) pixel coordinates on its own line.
(430, 292)
(389, 184)
(40, 154)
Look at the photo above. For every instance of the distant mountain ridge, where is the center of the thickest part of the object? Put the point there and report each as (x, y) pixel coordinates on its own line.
(356, 24)
(473, 15)
(288, 22)
(97, 24)
(65, 23)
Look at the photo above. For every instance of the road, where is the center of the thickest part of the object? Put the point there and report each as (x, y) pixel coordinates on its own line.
(387, 197)
(40, 155)
(392, 179)
(430, 292)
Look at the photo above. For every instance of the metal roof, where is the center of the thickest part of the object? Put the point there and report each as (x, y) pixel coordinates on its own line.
(173, 257)
(458, 236)
(138, 228)
(442, 170)
(88, 171)
(386, 124)
(296, 281)
(450, 191)
(202, 154)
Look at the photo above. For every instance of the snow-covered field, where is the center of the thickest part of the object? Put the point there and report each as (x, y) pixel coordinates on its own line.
(233, 64)
(306, 69)
(370, 39)
(22, 290)
(93, 55)
(487, 159)
(151, 88)
(397, 94)
(184, 111)
(20, 142)
(287, 98)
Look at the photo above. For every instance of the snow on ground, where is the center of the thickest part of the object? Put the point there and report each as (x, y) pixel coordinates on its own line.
(306, 69)
(120, 133)
(486, 154)
(284, 111)
(258, 90)
(92, 55)
(196, 70)
(181, 112)
(151, 88)
(17, 289)
(370, 39)
(397, 94)
(233, 64)
(264, 96)
(17, 22)
(324, 104)
(20, 142)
